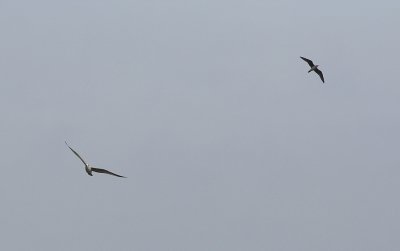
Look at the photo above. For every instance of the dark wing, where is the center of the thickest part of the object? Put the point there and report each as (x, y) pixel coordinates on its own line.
(99, 170)
(320, 74)
(309, 62)
(76, 153)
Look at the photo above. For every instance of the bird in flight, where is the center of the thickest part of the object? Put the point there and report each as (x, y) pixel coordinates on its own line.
(90, 169)
(314, 68)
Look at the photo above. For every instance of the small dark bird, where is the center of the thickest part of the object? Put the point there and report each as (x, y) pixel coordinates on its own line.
(90, 169)
(314, 68)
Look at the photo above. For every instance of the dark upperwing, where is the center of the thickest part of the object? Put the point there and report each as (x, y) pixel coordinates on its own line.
(320, 74)
(76, 153)
(99, 170)
(309, 62)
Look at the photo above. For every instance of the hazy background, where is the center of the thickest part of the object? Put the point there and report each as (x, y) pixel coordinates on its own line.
(227, 142)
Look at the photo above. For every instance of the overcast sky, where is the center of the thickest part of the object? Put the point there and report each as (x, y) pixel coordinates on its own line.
(227, 142)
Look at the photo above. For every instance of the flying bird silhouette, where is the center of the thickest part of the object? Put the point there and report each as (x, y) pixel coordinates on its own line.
(314, 68)
(89, 169)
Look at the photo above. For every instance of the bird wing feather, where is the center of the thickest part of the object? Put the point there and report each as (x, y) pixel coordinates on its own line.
(76, 154)
(320, 74)
(309, 62)
(99, 170)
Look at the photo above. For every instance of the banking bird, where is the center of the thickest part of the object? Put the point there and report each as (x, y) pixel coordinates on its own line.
(314, 68)
(90, 169)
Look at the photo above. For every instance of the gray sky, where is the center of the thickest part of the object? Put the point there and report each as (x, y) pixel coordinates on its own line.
(227, 142)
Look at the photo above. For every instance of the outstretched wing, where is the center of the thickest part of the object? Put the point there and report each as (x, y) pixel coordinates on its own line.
(76, 154)
(309, 62)
(99, 170)
(320, 74)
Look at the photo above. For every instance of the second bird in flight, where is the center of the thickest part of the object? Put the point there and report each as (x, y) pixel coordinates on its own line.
(90, 169)
(314, 68)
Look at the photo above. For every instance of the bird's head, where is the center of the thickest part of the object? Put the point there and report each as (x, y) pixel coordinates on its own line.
(316, 66)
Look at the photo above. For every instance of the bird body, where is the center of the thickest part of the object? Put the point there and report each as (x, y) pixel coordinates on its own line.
(89, 169)
(314, 68)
